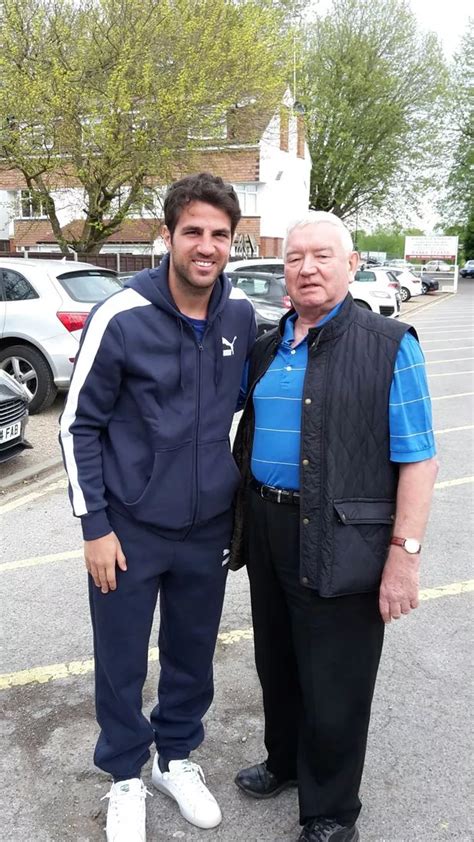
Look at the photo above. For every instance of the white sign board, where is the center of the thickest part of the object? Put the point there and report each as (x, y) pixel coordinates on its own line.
(426, 248)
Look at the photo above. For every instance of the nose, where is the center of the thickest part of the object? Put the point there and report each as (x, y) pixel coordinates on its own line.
(206, 245)
(308, 266)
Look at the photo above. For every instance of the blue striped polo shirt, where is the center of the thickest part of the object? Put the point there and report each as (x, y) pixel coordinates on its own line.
(277, 402)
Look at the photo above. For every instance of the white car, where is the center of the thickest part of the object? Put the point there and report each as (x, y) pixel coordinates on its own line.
(437, 266)
(43, 307)
(274, 265)
(371, 292)
(410, 284)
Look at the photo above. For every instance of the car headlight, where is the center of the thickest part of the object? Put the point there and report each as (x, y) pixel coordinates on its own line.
(379, 294)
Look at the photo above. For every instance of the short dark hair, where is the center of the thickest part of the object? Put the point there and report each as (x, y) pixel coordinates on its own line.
(202, 187)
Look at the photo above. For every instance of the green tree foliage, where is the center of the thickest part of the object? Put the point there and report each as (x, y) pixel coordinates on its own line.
(113, 95)
(389, 240)
(371, 85)
(457, 205)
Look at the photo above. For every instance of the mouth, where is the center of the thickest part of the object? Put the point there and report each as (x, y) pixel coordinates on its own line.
(204, 264)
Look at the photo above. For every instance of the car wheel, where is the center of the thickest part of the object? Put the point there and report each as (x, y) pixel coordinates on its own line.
(424, 288)
(405, 294)
(30, 368)
(362, 304)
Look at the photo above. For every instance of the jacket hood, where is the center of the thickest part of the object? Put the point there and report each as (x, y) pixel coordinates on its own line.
(153, 285)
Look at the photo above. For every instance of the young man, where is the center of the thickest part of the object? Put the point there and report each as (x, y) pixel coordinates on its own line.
(145, 437)
(338, 458)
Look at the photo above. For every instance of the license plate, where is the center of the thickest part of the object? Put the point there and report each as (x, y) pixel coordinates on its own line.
(11, 432)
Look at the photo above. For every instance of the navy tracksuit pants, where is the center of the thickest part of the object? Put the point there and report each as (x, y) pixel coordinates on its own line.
(189, 576)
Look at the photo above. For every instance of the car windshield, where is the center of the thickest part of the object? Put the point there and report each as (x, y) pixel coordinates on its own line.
(364, 276)
(89, 286)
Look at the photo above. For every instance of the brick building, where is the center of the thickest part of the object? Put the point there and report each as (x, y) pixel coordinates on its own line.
(268, 163)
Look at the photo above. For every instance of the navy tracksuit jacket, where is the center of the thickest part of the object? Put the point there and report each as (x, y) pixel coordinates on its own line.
(145, 439)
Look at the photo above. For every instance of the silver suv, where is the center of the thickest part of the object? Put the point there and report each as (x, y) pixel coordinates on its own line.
(43, 307)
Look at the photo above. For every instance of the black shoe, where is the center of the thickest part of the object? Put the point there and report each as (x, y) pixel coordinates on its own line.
(328, 830)
(258, 782)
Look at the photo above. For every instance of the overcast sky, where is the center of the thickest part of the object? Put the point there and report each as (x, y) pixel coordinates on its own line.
(448, 18)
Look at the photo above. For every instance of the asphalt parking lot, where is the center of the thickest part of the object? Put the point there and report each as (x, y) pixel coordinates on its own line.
(417, 784)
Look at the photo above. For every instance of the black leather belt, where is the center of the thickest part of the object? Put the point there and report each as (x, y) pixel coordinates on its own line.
(276, 495)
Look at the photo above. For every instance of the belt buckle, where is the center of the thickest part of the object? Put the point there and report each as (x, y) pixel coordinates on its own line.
(278, 495)
(261, 491)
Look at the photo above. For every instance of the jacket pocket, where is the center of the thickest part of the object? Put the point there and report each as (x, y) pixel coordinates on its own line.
(361, 535)
(219, 478)
(167, 499)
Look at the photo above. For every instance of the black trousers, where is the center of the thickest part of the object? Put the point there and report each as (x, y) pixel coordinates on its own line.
(317, 662)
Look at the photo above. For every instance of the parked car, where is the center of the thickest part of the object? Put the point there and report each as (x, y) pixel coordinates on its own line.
(429, 284)
(467, 270)
(379, 298)
(371, 299)
(410, 284)
(437, 266)
(43, 307)
(274, 265)
(262, 285)
(377, 290)
(399, 262)
(14, 402)
(268, 315)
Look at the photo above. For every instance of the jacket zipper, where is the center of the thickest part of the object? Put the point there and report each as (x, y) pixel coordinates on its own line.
(196, 438)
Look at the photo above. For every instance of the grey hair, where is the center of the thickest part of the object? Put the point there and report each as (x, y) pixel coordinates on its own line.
(313, 217)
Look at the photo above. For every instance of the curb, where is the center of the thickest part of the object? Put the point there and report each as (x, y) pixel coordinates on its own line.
(30, 473)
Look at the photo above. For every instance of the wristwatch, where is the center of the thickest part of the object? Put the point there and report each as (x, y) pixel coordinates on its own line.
(410, 545)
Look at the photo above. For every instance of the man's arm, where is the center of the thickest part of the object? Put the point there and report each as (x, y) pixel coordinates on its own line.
(400, 578)
(94, 388)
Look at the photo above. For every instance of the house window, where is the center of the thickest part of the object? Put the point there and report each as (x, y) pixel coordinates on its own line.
(32, 205)
(247, 196)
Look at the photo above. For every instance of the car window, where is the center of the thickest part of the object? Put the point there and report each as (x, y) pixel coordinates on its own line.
(363, 275)
(89, 286)
(253, 286)
(274, 268)
(16, 287)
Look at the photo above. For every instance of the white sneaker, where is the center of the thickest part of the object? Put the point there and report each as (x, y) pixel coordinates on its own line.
(185, 783)
(126, 813)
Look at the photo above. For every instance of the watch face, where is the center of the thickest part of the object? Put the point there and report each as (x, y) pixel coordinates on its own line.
(412, 545)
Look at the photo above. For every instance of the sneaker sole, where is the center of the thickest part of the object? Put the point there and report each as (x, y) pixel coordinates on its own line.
(262, 796)
(203, 825)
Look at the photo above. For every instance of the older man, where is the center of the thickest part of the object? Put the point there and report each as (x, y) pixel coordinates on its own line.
(337, 457)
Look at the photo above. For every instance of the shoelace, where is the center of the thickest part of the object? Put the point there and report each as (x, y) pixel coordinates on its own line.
(191, 773)
(122, 798)
(136, 796)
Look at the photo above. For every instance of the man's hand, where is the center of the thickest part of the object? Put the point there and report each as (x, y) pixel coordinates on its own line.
(101, 556)
(400, 584)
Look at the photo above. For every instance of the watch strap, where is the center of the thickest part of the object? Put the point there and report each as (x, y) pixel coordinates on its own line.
(400, 542)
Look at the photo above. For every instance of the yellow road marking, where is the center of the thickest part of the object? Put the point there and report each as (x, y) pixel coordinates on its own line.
(456, 348)
(34, 495)
(453, 429)
(450, 374)
(448, 397)
(449, 483)
(55, 672)
(34, 561)
(450, 360)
